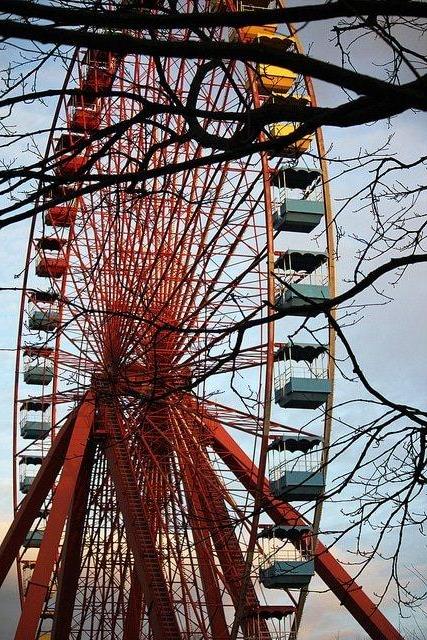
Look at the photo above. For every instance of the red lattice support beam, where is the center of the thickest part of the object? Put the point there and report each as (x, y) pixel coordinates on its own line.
(71, 553)
(349, 593)
(157, 598)
(132, 623)
(221, 529)
(48, 554)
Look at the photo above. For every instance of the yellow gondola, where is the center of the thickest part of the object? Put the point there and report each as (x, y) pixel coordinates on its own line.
(293, 150)
(275, 79)
(253, 32)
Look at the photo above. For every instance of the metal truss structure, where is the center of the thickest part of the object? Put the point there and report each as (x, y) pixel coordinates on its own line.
(137, 512)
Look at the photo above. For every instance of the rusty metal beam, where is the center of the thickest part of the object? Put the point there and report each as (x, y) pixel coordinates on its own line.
(72, 550)
(131, 628)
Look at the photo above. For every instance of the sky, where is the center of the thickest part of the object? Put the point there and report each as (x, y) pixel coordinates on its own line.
(390, 343)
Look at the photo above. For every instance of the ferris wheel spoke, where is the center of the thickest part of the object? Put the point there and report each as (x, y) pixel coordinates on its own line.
(236, 419)
(205, 249)
(210, 249)
(208, 310)
(175, 250)
(246, 358)
(85, 320)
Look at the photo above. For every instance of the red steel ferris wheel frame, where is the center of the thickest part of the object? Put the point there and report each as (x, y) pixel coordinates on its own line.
(147, 573)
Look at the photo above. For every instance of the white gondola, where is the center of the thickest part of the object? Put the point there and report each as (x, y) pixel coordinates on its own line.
(38, 369)
(35, 419)
(301, 380)
(43, 311)
(299, 204)
(301, 281)
(295, 467)
(28, 469)
(288, 559)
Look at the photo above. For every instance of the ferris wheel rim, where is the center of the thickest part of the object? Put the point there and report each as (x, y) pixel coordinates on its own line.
(270, 346)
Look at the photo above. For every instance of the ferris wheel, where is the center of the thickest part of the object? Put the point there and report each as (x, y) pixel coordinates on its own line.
(153, 385)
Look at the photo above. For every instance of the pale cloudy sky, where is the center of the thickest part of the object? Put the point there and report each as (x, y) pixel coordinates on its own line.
(390, 343)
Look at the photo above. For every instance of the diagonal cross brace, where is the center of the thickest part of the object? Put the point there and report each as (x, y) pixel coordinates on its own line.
(349, 593)
(70, 567)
